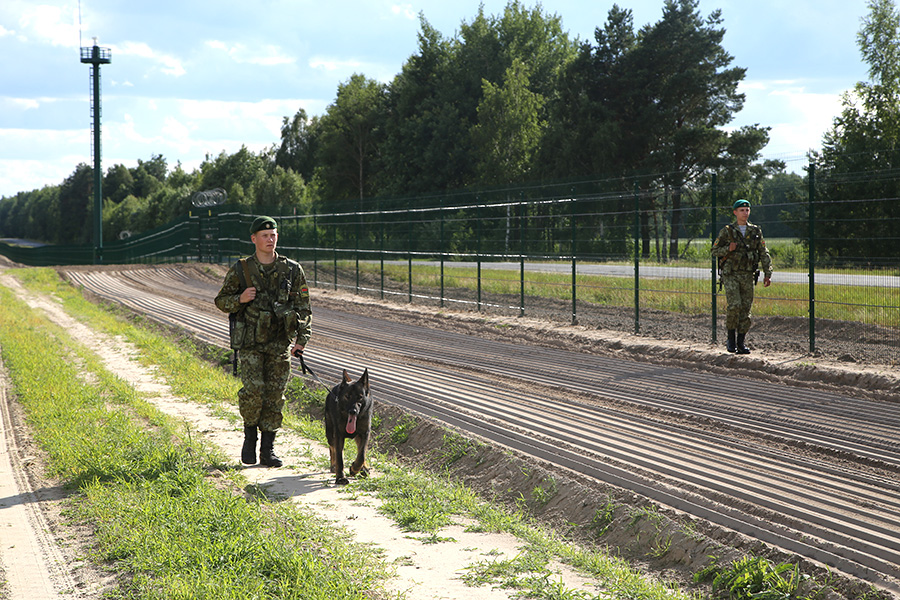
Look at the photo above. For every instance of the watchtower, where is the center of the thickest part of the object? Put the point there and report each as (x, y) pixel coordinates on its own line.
(96, 56)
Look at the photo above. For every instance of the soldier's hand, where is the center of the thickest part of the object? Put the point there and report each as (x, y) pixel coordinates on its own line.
(732, 246)
(248, 295)
(767, 282)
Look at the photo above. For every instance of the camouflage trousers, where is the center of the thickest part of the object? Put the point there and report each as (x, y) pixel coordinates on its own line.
(739, 296)
(264, 377)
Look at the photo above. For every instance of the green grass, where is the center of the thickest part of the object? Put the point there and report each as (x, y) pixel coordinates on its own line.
(863, 304)
(169, 528)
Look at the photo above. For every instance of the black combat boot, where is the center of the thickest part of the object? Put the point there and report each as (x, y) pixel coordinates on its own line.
(248, 451)
(266, 454)
(732, 346)
(741, 348)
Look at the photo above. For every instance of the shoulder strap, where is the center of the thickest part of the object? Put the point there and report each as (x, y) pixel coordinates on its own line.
(244, 273)
(289, 267)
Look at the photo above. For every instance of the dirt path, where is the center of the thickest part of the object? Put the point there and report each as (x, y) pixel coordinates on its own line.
(37, 566)
(31, 557)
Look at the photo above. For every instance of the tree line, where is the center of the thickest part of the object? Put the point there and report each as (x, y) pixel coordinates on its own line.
(508, 100)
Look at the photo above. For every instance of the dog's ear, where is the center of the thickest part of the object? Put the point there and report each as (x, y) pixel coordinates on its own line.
(347, 377)
(364, 380)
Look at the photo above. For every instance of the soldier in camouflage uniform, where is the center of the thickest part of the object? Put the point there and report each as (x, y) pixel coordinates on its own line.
(741, 251)
(272, 311)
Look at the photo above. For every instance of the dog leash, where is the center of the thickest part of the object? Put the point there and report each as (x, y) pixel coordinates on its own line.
(305, 369)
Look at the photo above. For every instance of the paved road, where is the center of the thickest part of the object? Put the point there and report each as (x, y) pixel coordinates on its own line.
(886, 281)
(811, 473)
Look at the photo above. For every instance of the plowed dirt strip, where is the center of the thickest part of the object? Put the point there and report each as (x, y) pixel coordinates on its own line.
(811, 472)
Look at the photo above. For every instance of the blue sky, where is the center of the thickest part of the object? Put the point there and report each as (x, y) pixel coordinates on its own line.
(198, 77)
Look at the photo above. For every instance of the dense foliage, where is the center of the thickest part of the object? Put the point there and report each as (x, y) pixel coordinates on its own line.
(510, 101)
(860, 158)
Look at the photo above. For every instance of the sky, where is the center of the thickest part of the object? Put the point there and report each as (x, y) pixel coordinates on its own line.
(196, 78)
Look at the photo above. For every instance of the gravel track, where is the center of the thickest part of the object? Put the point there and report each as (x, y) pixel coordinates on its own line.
(811, 472)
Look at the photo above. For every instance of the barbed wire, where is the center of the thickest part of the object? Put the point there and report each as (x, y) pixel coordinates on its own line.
(213, 197)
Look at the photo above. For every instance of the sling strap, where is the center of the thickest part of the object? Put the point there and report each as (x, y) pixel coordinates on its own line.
(243, 275)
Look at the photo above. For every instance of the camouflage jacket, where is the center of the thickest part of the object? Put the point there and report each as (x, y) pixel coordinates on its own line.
(280, 310)
(750, 255)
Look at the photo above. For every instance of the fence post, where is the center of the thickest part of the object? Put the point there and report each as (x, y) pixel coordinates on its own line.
(637, 260)
(381, 249)
(478, 216)
(315, 250)
(441, 211)
(574, 263)
(409, 248)
(812, 257)
(334, 260)
(521, 256)
(356, 251)
(714, 261)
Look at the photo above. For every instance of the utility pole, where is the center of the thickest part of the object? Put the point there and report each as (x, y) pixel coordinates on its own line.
(96, 56)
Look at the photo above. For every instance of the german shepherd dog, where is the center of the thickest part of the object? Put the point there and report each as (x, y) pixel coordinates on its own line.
(348, 415)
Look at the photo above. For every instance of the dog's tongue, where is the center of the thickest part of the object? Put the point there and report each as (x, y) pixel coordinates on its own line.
(351, 424)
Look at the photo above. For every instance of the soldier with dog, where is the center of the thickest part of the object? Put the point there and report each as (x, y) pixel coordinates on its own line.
(741, 250)
(267, 296)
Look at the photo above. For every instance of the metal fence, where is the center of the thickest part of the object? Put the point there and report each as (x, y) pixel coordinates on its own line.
(635, 261)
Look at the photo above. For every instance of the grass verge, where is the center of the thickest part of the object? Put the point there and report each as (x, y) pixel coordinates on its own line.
(163, 520)
(873, 305)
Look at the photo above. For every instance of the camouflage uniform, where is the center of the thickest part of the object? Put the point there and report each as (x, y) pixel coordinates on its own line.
(738, 271)
(279, 312)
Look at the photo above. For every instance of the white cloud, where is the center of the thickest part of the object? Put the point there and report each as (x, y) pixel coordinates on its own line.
(237, 117)
(404, 10)
(176, 131)
(333, 64)
(31, 159)
(39, 142)
(169, 65)
(266, 56)
(23, 103)
(798, 118)
(27, 175)
(55, 25)
(344, 68)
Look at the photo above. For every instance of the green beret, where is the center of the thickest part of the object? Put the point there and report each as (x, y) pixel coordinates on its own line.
(262, 223)
(740, 203)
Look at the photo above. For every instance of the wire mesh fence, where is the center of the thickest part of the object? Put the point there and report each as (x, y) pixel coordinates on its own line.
(628, 257)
